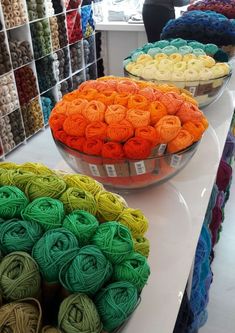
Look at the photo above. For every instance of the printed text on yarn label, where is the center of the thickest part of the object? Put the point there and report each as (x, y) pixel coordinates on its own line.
(111, 171)
(140, 168)
(175, 161)
(94, 170)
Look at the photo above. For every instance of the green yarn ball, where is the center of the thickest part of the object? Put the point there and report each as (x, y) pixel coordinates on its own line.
(82, 224)
(48, 212)
(18, 235)
(52, 251)
(74, 198)
(134, 269)
(86, 272)
(16, 177)
(19, 276)
(45, 186)
(114, 240)
(12, 202)
(115, 303)
(78, 313)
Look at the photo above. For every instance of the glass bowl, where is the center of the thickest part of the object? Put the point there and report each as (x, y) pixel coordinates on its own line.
(204, 91)
(128, 174)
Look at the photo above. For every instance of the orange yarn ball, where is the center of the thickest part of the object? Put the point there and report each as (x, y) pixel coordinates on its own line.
(96, 130)
(137, 148)
(127, 86)
(182, 141)
(75, 142)
(88, 94)
(172, 102)
(93, 147)
(195, 129)
(101, 86)
(75, 125)
(71, 96)
(205, 122)
(138, 118)
(61, 107)
(148, 133)
(189, 112)
(122, 99)
(90, 84)
(120, 132)
(94, 111)
(157, 111)
(138, 102)
(107, 97)
(56, 120)
(167, 128)
(112, 150)
(189, 99)
(60, 135)
(148, 93)
(76, 106)
(115, 113)
(112, 84)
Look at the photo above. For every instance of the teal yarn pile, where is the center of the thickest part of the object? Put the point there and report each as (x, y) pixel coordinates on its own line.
(82, 224)
(114, 240)
(48, 212)
(53, 250)
(134, 269)
(87, 272)
(19, 235)
(115, 303)
(12, 202)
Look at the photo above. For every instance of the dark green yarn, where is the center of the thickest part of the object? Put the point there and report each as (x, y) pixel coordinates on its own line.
(12, 202)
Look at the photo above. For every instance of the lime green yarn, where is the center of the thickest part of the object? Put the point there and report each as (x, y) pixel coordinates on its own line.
(142, 246)
(110, 206)
(48, 212)
(12, 202)
(114, 240)
(18, 235)
(52, 251)
(134, 269)
(36, 168)
(74, 198)
(16, 177)
(78, 313)
(134, 220)
(45, 186)
(86, 272)
(82, 224)
(115, 303)
(8, 165)
(19, 276)
(84, 183)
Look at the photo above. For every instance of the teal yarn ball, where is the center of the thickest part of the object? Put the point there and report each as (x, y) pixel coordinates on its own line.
(82, 224)
(114, 240)
(19, 235)
(178, 42)
(211, 49)
(52, 251)
(87, 272)
(12, 202)
(48, 212)
(115, 303)
(161, 43)
(170, 49)
(134, 269)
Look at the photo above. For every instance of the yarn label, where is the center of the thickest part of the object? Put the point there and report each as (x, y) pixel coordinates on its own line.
(175, 161)
(111, 171)
(140, 168)
(193, 90)
(161, 149)
(94, 170)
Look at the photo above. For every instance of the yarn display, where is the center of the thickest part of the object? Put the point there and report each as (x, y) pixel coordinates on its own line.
(89, 49)
(21, 53)
(32, 117)
(78, 79)
(29, 91)
(8, 99)
(134, 220)
(62, 30)
(57, 6)
(142, 246)
(48, 102)
(75, 198)
(62, 63)
(76, 56)
(54, 33)
(13, 201)
(14, 15)
(36, 9)
(73, 19)
(224, 7)
(45, 65)
(5, 62)
(88, 25)
(40, 32)
(83, 182)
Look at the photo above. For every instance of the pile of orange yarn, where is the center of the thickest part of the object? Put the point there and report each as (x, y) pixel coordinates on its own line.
(122, 118)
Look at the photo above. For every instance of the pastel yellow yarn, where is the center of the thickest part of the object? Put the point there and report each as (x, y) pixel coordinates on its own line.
(135, 220)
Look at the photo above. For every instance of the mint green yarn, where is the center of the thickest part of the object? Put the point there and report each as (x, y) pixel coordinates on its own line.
(211, 49)
(170, 49)
(78, 313)
(18, 235)
(199, 52)
(161, 43)
(82, 224)
(52, 251)
(178, 42)
(48, 212)
(74, 198)
(114, 240)
(196, 45)
(134, 269)
(115, 303)
(16, 177)
(153, 51)
(12, 202)
(185, 50)
(86, 272)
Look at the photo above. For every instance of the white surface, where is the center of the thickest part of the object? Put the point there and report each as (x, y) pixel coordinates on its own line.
(119, 26)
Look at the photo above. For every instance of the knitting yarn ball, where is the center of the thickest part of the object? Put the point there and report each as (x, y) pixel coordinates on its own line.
(19, 235)
(84, 183)
(142, 246)
(134, 269)
(50, 329)
(8, 165)
(15, 177)
(19, 276)
(45, 186)
(36, 168)
(115, 303)
(109, 207)
(137, 148)
(82, 224)
(12, 202)
(78, 313)
(52, 251)
(48, 212)
(75, 198)
(23, 316)
(134, 220)
(114, 240)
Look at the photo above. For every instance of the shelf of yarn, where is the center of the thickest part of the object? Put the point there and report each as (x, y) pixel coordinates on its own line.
(225, 8)
(8, 95)
(48, 101)
(14, 13)
(73, 19)
(5, 62)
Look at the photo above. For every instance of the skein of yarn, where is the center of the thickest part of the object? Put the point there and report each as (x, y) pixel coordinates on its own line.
(84, 183)
(142, 246)
(134, 220)
(36, 168)
(15, 177)
(110, 206)
(12, 202)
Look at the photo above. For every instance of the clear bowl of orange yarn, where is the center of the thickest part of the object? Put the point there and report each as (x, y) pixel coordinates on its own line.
(128, 174)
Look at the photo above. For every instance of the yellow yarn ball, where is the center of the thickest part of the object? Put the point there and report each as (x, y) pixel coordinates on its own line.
(84, 183)
(142, 246)
(110, 206)
(134, 220)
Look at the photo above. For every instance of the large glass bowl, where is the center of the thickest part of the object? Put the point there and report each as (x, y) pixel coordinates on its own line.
(128, 174)
(204, 91)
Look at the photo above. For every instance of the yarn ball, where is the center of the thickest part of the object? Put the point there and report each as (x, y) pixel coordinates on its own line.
(115, 113)
(109, 205)
(134, 220)
(75, 198)
(115, 303)
(16, 177)
(182, 141)
(134, 269)
(45, 186)
(12, 201)
(142, 246)
(120, 132)
(84, 183)
(112, 150)
(87, 272)
(8, 165)
(82, 224)
(52, 251)
(137, 148)
(36, 168)
(48, 212)
(167, 128)
(114, 240)
(50, 329)
(78, 313)
(19, 235)
(19, 276)
(92, 147)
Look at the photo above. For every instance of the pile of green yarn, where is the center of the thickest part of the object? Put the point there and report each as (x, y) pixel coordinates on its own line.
(79, 251)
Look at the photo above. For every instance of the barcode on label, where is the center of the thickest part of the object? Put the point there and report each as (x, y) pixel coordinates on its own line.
(161, 149)
(111, 171)
(193, 90)
(94, 170)
(140, 168)
(175, 161)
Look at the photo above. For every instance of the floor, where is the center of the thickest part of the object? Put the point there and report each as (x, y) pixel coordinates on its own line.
(222, 294)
